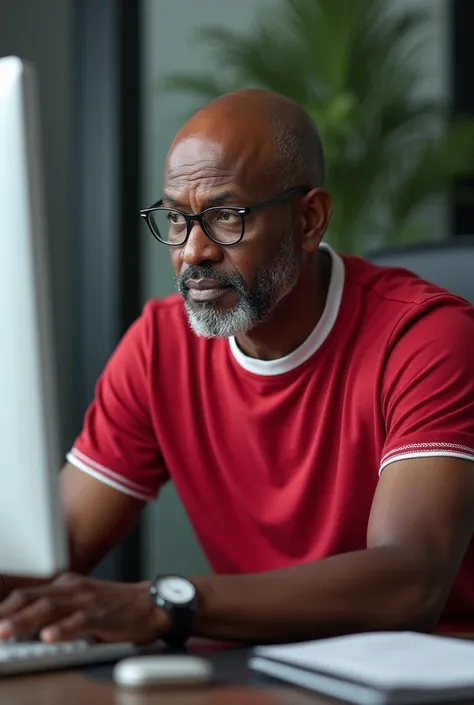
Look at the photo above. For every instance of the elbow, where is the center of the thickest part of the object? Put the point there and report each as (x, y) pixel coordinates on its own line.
(420, 604)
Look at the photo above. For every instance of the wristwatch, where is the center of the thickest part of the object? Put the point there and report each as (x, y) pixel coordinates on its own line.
(178, 598)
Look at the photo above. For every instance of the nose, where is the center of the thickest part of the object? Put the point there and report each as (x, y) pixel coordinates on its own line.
(200, 248)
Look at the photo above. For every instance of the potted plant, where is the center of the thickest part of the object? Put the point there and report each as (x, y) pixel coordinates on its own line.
(354, 65)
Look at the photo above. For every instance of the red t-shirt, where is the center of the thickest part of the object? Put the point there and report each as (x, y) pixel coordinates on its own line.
(276, 462)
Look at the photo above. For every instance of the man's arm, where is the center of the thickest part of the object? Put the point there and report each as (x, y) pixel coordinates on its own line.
(420, 526)
(421, 522)
(97, 517)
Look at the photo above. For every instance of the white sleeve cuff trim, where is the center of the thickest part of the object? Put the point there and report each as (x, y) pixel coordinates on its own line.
(80, 465)
(110, 474)
(433, 447)
(425, 454)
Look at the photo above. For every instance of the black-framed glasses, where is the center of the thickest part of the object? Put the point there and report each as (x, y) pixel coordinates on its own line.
(224, 225)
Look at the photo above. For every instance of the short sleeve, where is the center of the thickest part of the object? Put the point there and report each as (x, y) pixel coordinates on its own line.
(117, 444)
(428, 383)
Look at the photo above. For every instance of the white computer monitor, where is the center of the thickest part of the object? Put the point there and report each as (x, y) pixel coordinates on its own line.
(32, 534)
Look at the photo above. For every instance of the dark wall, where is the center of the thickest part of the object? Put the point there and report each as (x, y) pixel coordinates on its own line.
(86, 56)
(42, 32)
(462, 24)
(107, 178)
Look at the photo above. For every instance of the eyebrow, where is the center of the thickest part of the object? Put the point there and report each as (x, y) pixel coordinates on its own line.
(217, 200)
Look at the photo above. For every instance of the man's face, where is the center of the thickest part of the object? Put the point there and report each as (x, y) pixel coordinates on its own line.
(228, 290)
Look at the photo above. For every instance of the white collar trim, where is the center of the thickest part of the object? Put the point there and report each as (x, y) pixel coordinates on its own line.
(316, 338)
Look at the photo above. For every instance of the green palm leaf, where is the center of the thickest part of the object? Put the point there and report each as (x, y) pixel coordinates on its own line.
(354, 66)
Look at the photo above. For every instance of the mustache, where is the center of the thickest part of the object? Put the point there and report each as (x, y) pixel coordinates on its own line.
(207, 271)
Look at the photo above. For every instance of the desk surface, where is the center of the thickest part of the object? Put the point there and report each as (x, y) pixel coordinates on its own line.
(76, 689)
(236, 685)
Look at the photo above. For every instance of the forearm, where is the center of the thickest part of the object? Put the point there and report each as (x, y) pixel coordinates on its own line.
(363, 591)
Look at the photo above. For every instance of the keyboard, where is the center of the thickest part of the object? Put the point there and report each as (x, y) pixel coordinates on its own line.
(31, 656)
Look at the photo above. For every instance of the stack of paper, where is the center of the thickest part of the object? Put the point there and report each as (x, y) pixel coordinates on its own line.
(385, 668)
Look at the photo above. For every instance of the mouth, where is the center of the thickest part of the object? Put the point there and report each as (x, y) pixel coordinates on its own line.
(206, 289)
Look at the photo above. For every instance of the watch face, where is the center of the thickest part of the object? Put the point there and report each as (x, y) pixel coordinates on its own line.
(176, 590)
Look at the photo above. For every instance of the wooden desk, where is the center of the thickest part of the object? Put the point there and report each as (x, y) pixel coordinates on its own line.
(93, 686)
(236, 685)
(70, 688)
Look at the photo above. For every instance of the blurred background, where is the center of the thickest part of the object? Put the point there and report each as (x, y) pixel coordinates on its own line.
(389, 83)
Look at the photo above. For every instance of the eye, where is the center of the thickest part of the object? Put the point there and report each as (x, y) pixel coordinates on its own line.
(228, 216)
(175, 218)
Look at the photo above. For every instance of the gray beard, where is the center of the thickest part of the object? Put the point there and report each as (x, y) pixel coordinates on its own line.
(274, 281)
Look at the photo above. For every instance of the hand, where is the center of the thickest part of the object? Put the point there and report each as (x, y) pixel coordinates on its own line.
(73, 606)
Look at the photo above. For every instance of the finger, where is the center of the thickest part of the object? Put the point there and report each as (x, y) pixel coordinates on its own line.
(71, 627)
(21, 598)
(17, 600)
(85, 624)
(71, 580)
(33, 617)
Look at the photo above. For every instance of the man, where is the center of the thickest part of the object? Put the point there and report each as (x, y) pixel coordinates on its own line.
(315, 412)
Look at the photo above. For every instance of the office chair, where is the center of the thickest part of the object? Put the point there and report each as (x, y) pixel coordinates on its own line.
(449, 263)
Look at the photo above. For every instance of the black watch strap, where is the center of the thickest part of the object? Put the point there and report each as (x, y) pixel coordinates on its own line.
(180, 627)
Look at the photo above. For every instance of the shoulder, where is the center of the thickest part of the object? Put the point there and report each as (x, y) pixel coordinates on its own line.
(422, 340)
(391, 285)
(412, 310)
(423, 336)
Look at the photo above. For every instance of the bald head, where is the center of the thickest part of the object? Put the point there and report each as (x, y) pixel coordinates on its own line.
(264, 129)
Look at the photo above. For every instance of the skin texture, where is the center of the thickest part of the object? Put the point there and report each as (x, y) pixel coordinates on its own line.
(421, 519)
(214, 155)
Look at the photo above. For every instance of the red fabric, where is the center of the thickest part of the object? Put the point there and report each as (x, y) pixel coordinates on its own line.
(279, 470)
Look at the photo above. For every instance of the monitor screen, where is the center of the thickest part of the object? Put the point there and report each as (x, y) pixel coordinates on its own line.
(32, 534)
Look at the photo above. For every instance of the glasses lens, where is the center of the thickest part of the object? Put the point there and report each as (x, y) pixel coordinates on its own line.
(225, 224)
(169, 225)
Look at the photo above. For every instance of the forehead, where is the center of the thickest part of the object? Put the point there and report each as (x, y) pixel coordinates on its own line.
(199, 164)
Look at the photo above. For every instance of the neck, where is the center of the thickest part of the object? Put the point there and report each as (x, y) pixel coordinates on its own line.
(294, 318)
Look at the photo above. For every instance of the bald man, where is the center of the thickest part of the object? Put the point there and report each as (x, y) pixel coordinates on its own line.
(315, 412)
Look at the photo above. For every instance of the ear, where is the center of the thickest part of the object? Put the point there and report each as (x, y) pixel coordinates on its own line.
(316, 214)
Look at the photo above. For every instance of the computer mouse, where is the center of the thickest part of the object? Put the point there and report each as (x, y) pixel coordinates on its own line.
(161, 670)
